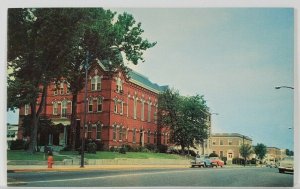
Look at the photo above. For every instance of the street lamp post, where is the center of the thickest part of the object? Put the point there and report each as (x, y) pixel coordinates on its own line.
(84, 119)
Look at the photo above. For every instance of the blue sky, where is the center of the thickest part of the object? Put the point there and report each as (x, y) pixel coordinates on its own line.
(234, 57)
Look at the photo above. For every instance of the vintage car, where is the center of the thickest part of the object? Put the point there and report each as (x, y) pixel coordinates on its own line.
(215, 161)
(201, 161)
(286, 165)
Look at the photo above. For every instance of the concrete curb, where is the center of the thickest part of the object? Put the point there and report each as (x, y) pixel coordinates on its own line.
(90, 168)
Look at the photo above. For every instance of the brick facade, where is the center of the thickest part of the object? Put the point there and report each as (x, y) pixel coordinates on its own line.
(120, 109)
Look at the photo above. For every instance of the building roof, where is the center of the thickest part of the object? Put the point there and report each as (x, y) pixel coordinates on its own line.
(143, 81)
(230, 135)
(139, 79)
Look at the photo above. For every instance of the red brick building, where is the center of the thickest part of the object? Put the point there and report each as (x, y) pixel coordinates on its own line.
(120, 110)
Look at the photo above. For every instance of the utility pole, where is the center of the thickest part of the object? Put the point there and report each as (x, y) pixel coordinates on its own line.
(84, 119)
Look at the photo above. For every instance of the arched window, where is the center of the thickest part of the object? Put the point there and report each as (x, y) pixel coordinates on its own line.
(142, 109)
(99, 104)
(116, 105)
(149, 111)
(90, 108)
(134, 135)
(96, 83)
(64, 108)
(120, 133)
(148, 136)
(155, 137)
(114, 132)
(119, 88)
(61, 89)
(55, 108)
(98, 131)
(89, 131)
(134, 106)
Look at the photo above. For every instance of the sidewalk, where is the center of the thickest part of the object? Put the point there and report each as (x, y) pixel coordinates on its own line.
(43, 168)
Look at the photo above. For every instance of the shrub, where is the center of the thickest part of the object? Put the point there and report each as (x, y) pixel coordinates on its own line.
(151, 147)
(112, 149)
(238, 161)
(128, 148)
(122, 150)
(91, 147)
(17, 145)
(162, 148)
(213, 155)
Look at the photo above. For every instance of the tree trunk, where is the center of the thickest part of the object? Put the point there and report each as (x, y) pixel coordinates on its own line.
(35, 116)
(74, 120)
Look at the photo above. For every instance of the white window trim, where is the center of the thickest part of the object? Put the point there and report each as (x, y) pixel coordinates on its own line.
(92, 103)
(62, 107)
(101, 104)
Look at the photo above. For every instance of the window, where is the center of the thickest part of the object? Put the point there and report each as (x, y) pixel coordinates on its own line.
(68, 88)
(134, 135)
(155, 115)
(99, 104)
(155, 137)
(134, 107)
(26, 109)
(61, 89)
(148, 136)
(142, 110)
(122, 106)
(64, 108)
(127, 107)
(119, 84)
(116, 105)
(55, 108)
(229, 142)
(98, 131)
(89, 131)
(214, 142)
(120, 133)
(221, 142)
(126, 133)
(114, 132)
(90, 109)
(221, 154)
(96, 83)
(55, 89)
(149, 111)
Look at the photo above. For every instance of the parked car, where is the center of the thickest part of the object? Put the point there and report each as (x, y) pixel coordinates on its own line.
(272, 164)
(201, 161)
(215, 161)
(286, 165)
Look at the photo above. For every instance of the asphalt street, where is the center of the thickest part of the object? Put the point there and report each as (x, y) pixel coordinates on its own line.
(201, 177)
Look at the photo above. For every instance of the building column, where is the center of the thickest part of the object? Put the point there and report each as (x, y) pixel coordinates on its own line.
(65, 136)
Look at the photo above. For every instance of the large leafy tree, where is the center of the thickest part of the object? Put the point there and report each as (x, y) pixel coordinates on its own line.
(245, 151)
(260, 151)
(184, 116)
(39, 42)
(107, 37)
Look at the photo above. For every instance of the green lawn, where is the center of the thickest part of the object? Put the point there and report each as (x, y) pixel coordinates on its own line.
(23, 155)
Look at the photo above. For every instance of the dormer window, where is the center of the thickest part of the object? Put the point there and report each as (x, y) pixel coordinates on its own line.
(119, 84)
(61, 89)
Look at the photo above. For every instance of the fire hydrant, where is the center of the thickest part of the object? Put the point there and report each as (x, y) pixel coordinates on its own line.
(50, 160)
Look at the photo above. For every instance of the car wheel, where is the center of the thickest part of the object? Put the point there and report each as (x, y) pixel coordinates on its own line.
(193, 166)
(281, 171)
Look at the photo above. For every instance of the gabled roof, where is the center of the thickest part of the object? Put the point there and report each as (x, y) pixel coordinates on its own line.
(139, 79)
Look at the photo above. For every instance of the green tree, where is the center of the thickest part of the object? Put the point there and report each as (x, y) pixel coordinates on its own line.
(184, 116)
(260, 151)
(38, 46)
(245, 151)
(106, 36)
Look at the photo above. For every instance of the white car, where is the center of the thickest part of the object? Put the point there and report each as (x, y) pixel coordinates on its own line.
(286, 165)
